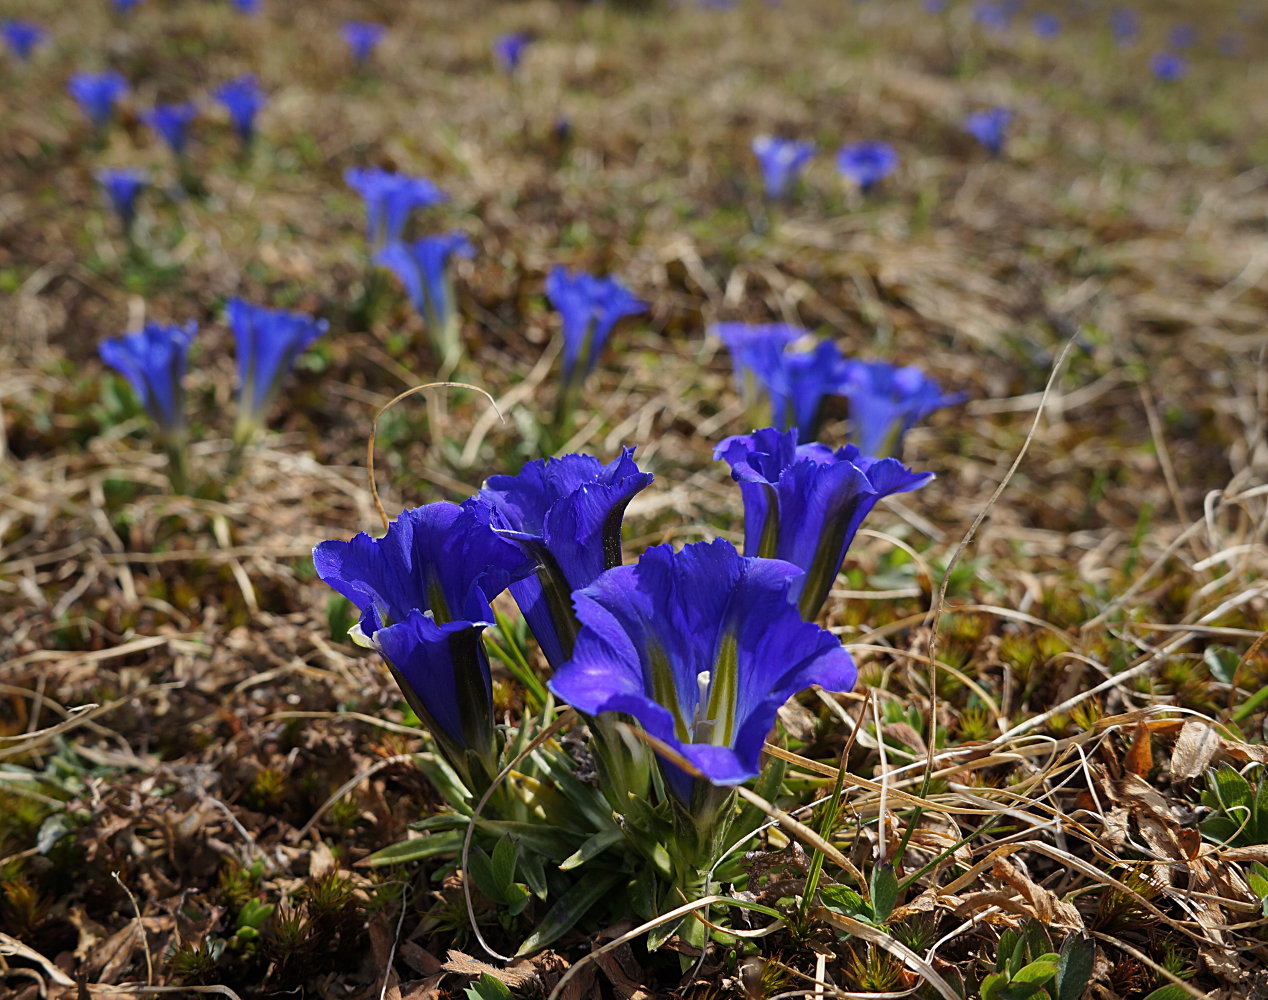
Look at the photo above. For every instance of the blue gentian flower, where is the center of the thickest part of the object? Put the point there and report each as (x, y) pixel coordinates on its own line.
(781, 161)
(97, 94)
(423, 267)
(589, 307)
(423, 590)
(268, 342)
(565, 514)
(124, 6)
(702, 647)
(389, 200)
(992, 15)
(122, 185)
(1168, 67)
(755, 348)
(799, 384)
(804, 504)
(155, 361)
(989, 128)
(508, 49)
(170, 123)
(242, 98)
(1124, 25)
(248, 6)
(1047, 25)
(865, 163)
(22, 37)
(886, 401)
(362, 38)
(1182, 36)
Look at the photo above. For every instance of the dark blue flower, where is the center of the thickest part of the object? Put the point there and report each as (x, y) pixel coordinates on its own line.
(389, 200)
(124, 6)
(781, 161)
(1047, 25)
(171, 123)
(886, 401)
(268, 342)
(508, 49)
(248, 6)
(865, 163)
(423, 267)
(990, 128)
(702, 647)
(423, 590)
(1124, 25)
(22, 37)
(804, 504)
(565, 514)
(242, 98)
(155, 360)
(97, 94)
(362, 38)
(589, 308)
(755, 348)
(992, 15)
(122, 185)
(1168, 67)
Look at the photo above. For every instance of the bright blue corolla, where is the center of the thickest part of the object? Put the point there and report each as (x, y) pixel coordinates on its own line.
(886, 401)
(97, 94)
(508, 49)
(865, 163)
(21, 37)
(589, 307)
(362, 38)
(389, 200)
(171, 123)
(155, 361)
(781, 161)
(989, 128)
(423, 267)
(122, 185)
(242, 98)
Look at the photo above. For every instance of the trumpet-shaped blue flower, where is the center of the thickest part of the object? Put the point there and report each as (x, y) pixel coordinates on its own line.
(508, 49)
(97, 94)
(242, 98)
(248, 6)
(565, 514)
(865, 163)
(755, 348)
(886, 401)
(781, 161)
(122, 186)
(990, 128)
(170, 123)
(1124, 26)
(423, 267)
(423, 590)
(589, 308)
(804, 504)
(124, 6)
(702, 647)
(362, 38)
(1047, 25)
(268, 342)
(1168, 67)
(21, 37)
(155, 361)
(993, 15)
(389, 200)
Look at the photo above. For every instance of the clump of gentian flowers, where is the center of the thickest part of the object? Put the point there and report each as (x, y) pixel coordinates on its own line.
(867, 163)
(97, 94)
(425, 269)
(677, 663)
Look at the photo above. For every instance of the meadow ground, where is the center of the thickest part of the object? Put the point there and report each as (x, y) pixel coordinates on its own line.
(1092, 679)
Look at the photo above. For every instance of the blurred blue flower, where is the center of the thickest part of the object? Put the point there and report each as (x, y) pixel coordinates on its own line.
(170, 122)
(508, 49)
(1047, 25)
(97, 94)
(124, 6)
(21, 37)
(781, 161)
(242, 98)
(155, 361)
(1168, 67)
(268, 342)
(362, 38)
(992, 15)
(1124, 25)
(423, 590)
(886, 401)
(248, 6)
(424, 269)
(754, 348)
(865, 163)
(804, 504)
(589, 307)
(1182, 36)
(565, 515)
(389, 200)
(990, 128)
(122, 185)
(934, 6)
(702, 647)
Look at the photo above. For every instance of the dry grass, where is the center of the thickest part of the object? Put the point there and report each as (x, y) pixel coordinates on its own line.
(1097, 645)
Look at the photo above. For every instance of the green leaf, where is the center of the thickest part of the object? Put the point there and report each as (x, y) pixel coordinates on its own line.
(568, 909)
(418, 849)
(1258, 884)
(487, 988)
(1247, 708)
(504, 862)
(1172, 991)
(1009, 942)
(993, 986)
(592, 848)
(1074, 967)
(884, 889)
(1037, 972)
(1231, 788)
(844, 900)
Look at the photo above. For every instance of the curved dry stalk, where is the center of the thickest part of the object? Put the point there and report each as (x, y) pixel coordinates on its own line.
(874, 935)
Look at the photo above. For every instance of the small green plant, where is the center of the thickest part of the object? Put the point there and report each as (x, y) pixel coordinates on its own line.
(1239, 809)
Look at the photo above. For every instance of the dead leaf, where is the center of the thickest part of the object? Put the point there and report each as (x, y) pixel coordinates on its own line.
(1195, 746)
(1047, 906)
(1140, 756)
(465, 965)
